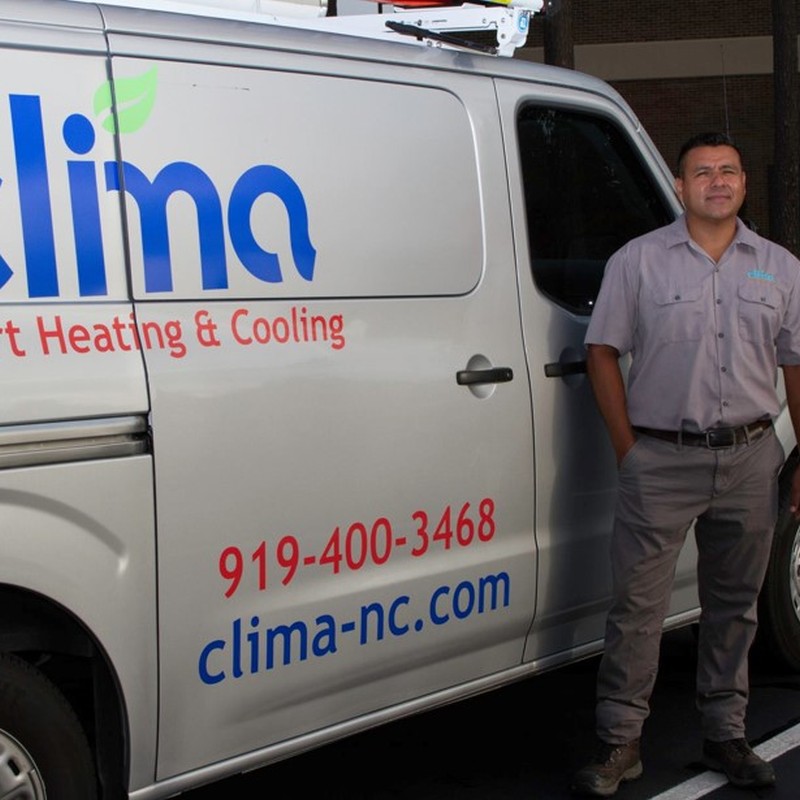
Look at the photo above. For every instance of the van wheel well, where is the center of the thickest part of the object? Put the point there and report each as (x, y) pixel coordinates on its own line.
(49, 638)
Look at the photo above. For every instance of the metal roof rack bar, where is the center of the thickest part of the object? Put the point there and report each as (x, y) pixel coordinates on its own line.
(497, 27)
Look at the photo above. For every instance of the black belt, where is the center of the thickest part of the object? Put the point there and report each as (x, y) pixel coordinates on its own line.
(713, 438)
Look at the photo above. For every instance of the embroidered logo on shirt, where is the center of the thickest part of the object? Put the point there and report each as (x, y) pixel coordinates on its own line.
(760, 275)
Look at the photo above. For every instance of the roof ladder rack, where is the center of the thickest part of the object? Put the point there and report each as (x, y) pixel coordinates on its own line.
(500, 27)
(497, 27)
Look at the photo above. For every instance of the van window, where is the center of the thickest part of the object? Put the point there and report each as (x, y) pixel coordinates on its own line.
(586, 194)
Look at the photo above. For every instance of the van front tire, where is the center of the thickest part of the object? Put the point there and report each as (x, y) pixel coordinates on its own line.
(779, 604)
(44, 754)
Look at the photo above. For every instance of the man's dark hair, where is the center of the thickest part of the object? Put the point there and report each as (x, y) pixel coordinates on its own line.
(710, 139)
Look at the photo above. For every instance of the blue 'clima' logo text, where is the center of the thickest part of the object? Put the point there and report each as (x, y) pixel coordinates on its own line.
(150, 195)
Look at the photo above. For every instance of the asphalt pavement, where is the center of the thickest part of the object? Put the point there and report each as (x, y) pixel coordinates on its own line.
(526, 740)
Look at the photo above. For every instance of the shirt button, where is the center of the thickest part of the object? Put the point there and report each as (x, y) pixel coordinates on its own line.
(721, 335)
(725, 403)
(724, 369)
(677, 297)
(719, 302)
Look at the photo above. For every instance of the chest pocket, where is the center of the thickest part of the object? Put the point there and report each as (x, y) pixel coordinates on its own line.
(679, 314)
(759, 318)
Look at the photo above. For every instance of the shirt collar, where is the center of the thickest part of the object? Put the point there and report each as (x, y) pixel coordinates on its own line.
(677, 233)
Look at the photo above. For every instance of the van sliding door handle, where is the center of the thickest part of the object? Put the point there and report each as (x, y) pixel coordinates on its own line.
(558, 369)
(469, 377)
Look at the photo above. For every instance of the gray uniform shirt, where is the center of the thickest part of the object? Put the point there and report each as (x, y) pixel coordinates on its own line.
(705, 339)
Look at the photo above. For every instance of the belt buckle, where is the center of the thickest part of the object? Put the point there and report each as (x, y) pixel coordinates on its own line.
(718, 438)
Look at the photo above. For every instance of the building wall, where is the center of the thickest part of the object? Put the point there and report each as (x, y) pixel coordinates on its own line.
(685, 68)
(673, 110)
(654, 20)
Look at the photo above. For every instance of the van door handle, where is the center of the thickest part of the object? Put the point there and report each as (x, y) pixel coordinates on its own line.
(558, 369)
(469, 377)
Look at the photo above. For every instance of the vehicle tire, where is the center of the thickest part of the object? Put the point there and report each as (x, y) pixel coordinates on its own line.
(44, 754)
(779, 604)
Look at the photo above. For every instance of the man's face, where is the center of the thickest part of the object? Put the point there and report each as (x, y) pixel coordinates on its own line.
(712, 183)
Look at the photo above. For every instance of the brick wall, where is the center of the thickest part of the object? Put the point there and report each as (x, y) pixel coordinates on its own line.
(652, 20)
(595, 21)
(673, 110)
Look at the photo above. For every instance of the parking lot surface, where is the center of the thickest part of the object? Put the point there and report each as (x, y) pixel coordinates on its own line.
(524, 741)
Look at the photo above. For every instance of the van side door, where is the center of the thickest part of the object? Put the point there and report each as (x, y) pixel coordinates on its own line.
(324, 280)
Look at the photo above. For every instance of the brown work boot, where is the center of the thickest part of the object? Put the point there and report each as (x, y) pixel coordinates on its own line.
(612, 763)
(739, 763)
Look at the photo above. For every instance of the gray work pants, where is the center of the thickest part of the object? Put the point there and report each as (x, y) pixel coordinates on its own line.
(731, 493)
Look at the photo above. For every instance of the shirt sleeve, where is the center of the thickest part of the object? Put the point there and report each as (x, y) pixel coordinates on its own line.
(613, 319)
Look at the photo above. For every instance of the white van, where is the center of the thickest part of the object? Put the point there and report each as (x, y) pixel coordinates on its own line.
(295, 432)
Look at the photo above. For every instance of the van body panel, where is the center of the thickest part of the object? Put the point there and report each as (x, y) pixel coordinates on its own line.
(76, 483)
(74, 346)
(82, 535)
(410, 285)
(66, 321)
(57, 21)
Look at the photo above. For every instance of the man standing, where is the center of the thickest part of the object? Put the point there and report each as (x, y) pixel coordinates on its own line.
(707, 310)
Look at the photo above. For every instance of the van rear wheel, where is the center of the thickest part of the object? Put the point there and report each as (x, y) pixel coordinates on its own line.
(779, 604)
(44, 754)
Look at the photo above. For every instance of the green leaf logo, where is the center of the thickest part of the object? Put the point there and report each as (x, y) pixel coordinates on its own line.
(135, 98)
